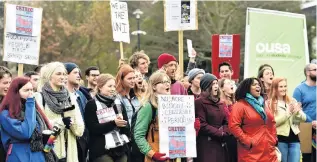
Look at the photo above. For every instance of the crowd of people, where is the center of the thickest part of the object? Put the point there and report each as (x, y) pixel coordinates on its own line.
(114, 118)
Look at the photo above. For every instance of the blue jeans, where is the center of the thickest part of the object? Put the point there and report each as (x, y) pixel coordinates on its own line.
(290, 151)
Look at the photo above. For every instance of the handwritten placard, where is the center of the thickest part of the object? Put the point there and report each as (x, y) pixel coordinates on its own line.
(120, 21)
(176, 124)
(225, 45)
(22, 34)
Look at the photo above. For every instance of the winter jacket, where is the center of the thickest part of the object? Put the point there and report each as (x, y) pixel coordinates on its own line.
(210, 140)
(98, 130)
(18, 133)
(66, 135)
(178, 89)
(256, 137)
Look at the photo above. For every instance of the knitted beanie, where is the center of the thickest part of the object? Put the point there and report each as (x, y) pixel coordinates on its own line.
(206, 81)
(70, 66)
(193, 73)
(164, 58)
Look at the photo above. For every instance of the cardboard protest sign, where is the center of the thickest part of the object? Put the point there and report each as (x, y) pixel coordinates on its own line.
(180, 15)
(305, 137)
(22, 34)
(120, 21)
(176, 115)
(279, 39)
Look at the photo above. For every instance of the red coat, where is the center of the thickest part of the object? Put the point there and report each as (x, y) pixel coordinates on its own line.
(249, 128)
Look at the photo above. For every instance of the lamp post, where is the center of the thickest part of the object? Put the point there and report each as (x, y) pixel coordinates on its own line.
(138, 14)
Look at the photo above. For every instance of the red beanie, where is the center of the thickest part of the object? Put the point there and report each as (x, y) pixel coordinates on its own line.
(164, 58)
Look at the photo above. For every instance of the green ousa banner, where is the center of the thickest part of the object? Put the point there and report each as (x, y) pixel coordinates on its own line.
(278, 39)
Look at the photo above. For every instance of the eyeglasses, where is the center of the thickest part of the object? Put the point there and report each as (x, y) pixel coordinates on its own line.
(164, 82)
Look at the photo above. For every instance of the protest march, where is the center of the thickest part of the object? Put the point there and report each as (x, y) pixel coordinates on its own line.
(254, 102)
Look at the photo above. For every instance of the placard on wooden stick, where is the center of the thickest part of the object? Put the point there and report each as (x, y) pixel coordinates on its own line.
(180, 15)
(22, 35)
(120, 23)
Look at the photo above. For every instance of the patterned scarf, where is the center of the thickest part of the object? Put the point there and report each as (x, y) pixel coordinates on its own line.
(56, 100)
(257, 104)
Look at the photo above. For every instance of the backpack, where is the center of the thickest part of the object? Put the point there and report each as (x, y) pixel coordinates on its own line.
(136, 154)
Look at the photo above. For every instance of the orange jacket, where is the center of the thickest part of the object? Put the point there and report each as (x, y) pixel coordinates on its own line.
(256, 138)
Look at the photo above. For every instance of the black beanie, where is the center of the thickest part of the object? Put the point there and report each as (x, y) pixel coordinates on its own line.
(70, 66)
(206, 80)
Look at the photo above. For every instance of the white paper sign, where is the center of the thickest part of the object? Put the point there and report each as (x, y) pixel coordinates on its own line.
(176, 125)
(190, 48)
(22, 34)
(225, 45)
(120, 21)
(180, 15)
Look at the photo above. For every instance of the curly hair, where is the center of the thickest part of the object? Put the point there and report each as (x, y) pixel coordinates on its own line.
(134, 59)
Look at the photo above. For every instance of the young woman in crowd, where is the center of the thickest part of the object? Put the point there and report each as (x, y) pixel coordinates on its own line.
(266, 66)
(266, 76)
(61, 109)
(104, 119)
(126, 99)
(213, 122)
(194, 77)
(140, 85)
(227, 89)
(22, 123)
(253, 124)
(288, 114)
(159, 84)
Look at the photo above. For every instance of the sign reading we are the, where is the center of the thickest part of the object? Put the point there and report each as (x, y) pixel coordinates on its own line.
(120, 22)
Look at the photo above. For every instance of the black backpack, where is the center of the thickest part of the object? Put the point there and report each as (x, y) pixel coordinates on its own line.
(136, 154)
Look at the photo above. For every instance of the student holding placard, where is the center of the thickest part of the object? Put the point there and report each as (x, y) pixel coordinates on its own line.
(211, 143)
(103, 118)
(146, 130)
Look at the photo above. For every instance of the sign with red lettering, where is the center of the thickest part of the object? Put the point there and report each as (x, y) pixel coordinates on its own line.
(120, 21)
(176, 115)
(22, 34)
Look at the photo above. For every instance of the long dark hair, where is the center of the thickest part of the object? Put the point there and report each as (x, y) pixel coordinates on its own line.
(244, 88)
(12, 101)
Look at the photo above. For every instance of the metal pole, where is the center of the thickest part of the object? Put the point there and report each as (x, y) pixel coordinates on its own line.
(139, 41)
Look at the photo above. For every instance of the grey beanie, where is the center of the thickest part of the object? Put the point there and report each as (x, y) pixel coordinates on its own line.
(206, 80)
(70, 67)
(193, 73)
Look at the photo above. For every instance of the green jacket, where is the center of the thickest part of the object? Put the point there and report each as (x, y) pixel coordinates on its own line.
(141, 128)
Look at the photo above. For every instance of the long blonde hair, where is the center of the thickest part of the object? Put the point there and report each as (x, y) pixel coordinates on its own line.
(150, 95)
(273, 95)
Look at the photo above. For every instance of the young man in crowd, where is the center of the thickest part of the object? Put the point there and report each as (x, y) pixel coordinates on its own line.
(140, 61)
(306, 94)
(73, 81)
(92, 74)
(225, 70)
(34, 78)
(5, 81)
